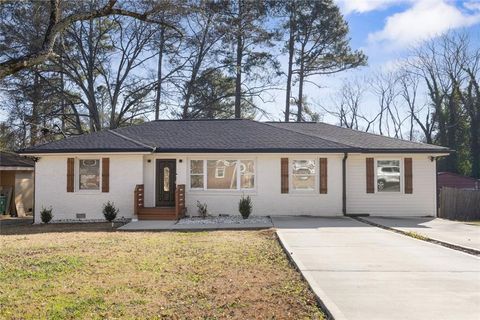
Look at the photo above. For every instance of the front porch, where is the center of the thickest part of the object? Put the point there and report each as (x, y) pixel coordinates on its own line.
(159, 213)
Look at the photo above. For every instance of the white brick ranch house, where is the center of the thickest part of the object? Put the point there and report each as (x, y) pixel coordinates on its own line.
(160, 169)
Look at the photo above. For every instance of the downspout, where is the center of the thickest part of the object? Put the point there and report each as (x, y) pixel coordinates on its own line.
(344, 183)
(437, 193)
(34, 185)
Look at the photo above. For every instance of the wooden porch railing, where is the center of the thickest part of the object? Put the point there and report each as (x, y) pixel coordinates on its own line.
(179, 209)
(138, 198)
(180, 201)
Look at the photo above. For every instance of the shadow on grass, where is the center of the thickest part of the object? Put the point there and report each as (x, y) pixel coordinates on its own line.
(29, 228)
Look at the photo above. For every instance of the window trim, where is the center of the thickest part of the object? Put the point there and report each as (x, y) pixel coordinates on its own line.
(400, 160)
(238, 174)
(316, 176)
(77, 175)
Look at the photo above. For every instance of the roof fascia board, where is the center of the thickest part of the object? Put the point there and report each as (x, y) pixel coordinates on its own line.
(16, 168)
(71, 153)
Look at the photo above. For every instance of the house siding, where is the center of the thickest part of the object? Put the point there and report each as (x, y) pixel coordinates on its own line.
(421, 202)
(128, 170)
(51, 179)
(267, 197)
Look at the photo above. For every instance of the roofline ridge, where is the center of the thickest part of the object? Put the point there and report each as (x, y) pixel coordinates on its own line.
(132, 140)
(199, 119)
(380, 135)
(308, 135)
(361, 131)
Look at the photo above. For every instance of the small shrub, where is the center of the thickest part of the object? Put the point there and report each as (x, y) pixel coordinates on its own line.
(245, 206)
(202, 209)
(46, 215)
(109, 211)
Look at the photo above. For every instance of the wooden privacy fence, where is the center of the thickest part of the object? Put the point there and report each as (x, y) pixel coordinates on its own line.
(459, 204)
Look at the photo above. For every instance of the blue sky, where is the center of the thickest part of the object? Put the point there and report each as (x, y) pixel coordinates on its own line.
(385, 30)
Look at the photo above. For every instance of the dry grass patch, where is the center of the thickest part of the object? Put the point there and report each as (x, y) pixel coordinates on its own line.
(206, 275)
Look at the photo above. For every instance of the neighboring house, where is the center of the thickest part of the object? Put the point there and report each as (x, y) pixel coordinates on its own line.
(286, 168)
(16, 184)
(455, 180)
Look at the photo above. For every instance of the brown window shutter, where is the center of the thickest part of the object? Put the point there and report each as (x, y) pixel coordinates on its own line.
(105, 174)
(370, 176)
(70, 174)
(284, 175)
(408, 175)
(323, 175)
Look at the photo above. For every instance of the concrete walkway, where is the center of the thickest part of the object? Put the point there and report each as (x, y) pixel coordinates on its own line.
(454, 232)
(364, 272)
(158, 225)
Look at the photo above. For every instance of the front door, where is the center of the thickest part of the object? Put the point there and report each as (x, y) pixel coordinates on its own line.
(165, 183)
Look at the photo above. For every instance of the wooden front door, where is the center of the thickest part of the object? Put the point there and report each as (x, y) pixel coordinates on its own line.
(165, 183)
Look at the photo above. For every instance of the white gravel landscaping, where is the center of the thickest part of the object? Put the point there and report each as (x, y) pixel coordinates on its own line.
(224, 220)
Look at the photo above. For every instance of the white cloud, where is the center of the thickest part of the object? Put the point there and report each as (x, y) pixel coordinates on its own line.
(362, 6)
(472, 5)
(422, 21)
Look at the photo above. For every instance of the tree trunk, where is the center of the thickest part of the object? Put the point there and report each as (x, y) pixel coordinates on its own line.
(300, 89)
(159, 73)
(291, 51)
(196, 68)
(238, 80)
(92, 102)
(34, 119)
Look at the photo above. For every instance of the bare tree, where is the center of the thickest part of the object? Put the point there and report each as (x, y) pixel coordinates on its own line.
(347, 102)
(58, 18)
(384, 86)
(409, 92)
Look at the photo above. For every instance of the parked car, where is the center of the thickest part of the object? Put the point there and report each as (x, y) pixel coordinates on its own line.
(388, 176)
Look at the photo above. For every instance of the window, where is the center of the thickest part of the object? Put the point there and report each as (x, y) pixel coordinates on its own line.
(247, 174)
(388, 175)
(303, 174)
(166, 179)
(89, 174)
(228, 178)
(222, 174)
(196, 174)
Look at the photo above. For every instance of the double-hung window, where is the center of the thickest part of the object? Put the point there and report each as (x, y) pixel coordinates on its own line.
(89, 174)
(222, 174)
(196, 174)
(304, 174)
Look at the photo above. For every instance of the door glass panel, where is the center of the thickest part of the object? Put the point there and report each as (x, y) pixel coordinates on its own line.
(166, 179)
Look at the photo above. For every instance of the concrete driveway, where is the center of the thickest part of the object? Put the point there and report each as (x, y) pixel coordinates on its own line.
(363, 272)
(457, 233)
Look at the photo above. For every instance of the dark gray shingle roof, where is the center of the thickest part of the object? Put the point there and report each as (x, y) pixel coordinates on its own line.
(356, 139)
(104, 141)
(230, 136)
(8, 159)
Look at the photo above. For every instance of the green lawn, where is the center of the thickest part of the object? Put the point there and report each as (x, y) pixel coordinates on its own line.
(98, 274)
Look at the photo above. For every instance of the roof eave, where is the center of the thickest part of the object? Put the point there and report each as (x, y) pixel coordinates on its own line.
(89, 150)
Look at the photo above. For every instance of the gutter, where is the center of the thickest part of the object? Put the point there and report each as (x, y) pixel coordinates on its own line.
(344, 183)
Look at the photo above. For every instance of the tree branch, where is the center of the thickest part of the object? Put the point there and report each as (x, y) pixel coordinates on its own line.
(57, 25)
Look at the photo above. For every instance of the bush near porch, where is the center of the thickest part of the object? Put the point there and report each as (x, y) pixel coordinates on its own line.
(97, 274)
